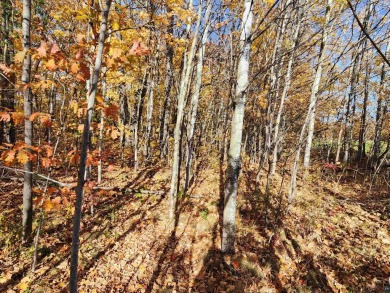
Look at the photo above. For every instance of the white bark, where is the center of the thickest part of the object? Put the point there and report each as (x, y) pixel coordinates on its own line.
(28, 129)
(187, 66)
(316, 85)
(285, 91)
(196, 94)
(234, 164)
(381, 109)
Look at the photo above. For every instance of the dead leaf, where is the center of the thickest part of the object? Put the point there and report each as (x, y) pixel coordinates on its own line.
(51, 65)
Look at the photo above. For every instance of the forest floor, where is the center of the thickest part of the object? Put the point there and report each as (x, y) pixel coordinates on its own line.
(333, 238)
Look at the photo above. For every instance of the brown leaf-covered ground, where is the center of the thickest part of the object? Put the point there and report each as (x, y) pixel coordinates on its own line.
(334, 238)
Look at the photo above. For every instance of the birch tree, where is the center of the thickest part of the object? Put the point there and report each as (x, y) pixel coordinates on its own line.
(381, 108)
(287, 83)
(181, 99)
(196, 94)
(310, 114)
(234, 162)
(350, 106)
(315, 86)
(28, 128)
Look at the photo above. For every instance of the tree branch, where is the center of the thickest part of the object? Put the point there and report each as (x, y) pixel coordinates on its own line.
(367, 35)
(62, 184)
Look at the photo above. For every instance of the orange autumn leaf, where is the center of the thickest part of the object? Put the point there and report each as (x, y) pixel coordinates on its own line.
(45, 162)
(80, 54)
(38, 200)
(114, 133)
(47, 205)
(33, 116)
(80, 78)
(139, 49)
(81, 38)
(42, 50)
(18, 117)
(54, 49)
(111, 110)
(56, 203)
(74, 68)
(10, 156)
(51, 190)
(51, 65)
(235, 264)
(5, 116)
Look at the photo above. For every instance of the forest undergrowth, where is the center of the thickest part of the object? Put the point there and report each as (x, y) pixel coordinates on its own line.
(333, 238)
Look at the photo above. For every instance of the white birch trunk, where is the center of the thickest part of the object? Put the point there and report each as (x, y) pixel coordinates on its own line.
(181, 99)
(28, 128)
(284, 93)
(234, 164)
(315, 87)
(196, 94)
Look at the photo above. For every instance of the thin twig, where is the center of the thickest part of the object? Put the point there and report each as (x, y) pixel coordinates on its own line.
(62, 184)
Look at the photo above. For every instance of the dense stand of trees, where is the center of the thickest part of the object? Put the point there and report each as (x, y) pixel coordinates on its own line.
(184, 82)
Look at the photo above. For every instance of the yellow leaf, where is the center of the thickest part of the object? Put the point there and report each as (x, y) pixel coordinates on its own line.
(19, 57)
(23, 157)
(47, 205)
(115, 25)
(115, 52)
(23, 286)
(99, 98)
(110, 62)
(74, 106)
(24, 283)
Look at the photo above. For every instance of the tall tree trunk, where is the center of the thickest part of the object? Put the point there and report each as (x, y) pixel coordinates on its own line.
(353, 87)
(380, 110)
(363, 123)
(272, 94)
(100, 147)
(187, 66)
(315, 87)
(28, 129)
(7, 83)
(138, 117)
(84, 150)
(234, 162)
(52, 104)
(286, 87)
(149, 110)
(195, 96)
(164, 123)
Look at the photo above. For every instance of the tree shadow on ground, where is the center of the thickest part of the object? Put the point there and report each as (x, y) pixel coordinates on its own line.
(135, 225)
(105, 206)
(171, 270)
(143, 177)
